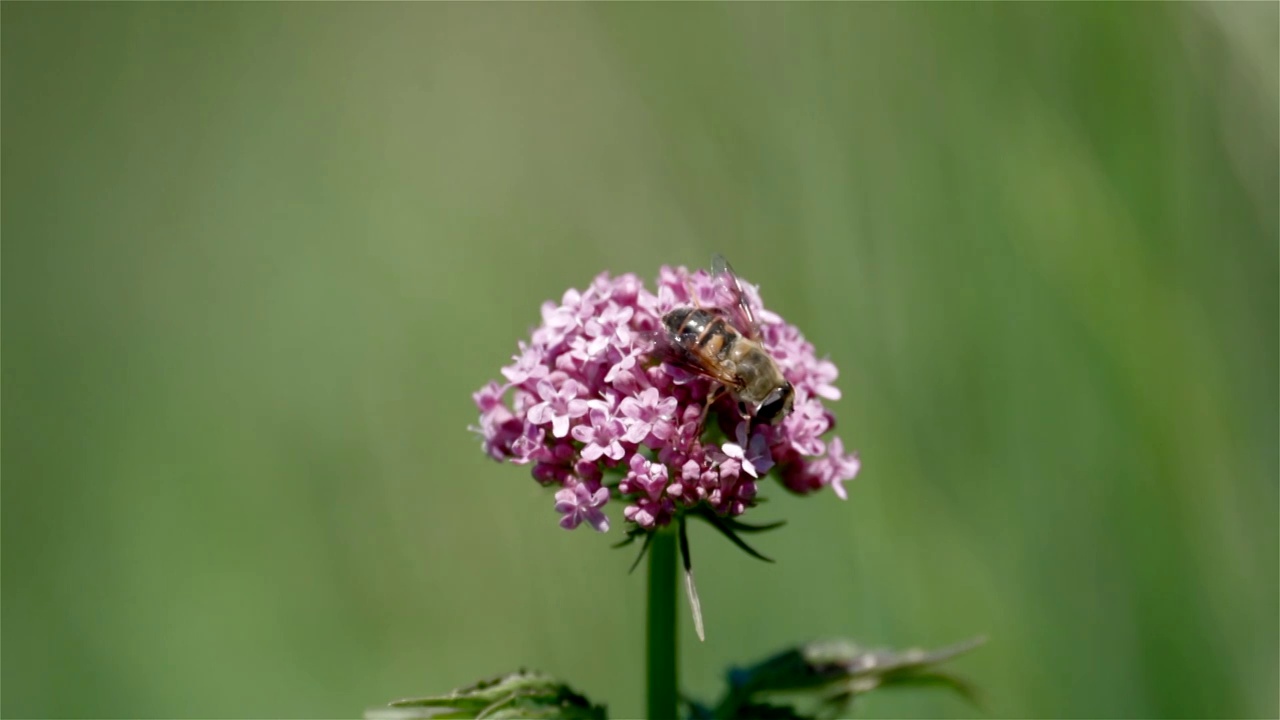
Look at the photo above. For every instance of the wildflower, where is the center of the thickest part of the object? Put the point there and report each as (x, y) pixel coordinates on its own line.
(558, 407)
(753, 454)
(528, 365)
(651, 417)
(602, 438)
(585, 401)
(578, 503)
(840, 467)
(649, 481)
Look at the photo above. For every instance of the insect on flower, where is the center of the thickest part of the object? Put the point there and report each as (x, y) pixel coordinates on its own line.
(614, 390)
(611, 398)
(723, 344)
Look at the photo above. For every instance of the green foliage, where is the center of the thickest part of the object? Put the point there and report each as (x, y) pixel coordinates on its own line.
(818, 679)
(530, 695)
(823, 678)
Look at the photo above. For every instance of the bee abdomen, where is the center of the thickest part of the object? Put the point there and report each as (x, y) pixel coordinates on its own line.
(718, 339)
(704, 332)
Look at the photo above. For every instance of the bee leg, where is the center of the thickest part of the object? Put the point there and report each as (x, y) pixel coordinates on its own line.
(693, 297)
(711, 400)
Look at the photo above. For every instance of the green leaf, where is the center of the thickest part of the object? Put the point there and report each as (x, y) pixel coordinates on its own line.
(727, 530)
(648, 538)
(632, 534)
(829, 675)
(691, 588)
(522, 694)
(765, 711)
(740, 526)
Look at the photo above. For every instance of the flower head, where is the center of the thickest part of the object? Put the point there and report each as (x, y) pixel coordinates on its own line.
(587, 398)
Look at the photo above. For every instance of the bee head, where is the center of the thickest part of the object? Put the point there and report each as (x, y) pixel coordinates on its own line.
(777, 405)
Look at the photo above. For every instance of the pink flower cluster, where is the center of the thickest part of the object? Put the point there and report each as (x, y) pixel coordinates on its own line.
(587, 400)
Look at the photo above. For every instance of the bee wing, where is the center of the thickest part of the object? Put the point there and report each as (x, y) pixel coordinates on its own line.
(739, 310)
(663, 348)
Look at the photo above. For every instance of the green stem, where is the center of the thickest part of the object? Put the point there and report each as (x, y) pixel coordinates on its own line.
(662, 669)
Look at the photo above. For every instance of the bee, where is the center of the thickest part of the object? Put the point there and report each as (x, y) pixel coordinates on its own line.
(724, 345)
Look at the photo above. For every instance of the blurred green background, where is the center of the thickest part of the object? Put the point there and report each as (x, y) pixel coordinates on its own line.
(257, 257)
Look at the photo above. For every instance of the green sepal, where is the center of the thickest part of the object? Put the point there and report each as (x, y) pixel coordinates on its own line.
(728, 529)
(632, 534)
(648, 538)
(523, 694)
(740, 526)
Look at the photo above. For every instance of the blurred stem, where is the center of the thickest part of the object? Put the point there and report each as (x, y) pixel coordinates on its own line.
(661, 646)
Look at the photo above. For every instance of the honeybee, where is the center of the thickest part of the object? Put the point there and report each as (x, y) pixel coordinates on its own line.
(723, 344)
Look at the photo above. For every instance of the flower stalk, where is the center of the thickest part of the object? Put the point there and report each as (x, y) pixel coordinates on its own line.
(662, 665)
